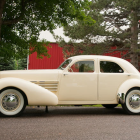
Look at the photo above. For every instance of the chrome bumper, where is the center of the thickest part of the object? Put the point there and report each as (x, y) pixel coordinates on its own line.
(121, 98)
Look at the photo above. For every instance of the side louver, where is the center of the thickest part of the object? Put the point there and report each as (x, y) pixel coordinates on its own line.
(50, 85)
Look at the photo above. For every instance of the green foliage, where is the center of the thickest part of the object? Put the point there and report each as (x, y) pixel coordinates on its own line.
(22, 64)
(39, 47)
(116, 25)
(12, 64)
(84, 32)
(7, 64)
(22, 20)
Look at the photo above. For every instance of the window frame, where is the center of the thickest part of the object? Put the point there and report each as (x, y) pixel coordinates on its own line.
(60, 66)
(124, 71)
(77, 60)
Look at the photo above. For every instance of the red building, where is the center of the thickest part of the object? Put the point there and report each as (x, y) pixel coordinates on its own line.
(57, 57)
(47, 63)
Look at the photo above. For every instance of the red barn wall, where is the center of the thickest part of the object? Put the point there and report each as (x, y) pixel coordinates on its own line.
(57, 57)
(47, 63)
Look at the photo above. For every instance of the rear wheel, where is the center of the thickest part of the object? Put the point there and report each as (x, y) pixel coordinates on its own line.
(132, 102)
(12, 102)
(109, 105)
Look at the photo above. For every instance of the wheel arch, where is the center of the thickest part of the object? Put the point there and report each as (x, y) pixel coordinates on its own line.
(129, 85)
(133, 88)
(21, 91)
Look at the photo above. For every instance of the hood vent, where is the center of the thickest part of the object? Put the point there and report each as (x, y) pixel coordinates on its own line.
(50, 85)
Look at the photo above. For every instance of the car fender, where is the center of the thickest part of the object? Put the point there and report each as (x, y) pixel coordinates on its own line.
(36, 95)
(131, 83)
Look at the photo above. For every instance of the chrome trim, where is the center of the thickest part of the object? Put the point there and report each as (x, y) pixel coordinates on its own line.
(121, 98)
(10, 101)
(134, 100)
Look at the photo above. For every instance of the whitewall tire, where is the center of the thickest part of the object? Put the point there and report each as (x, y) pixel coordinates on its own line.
(12, 102)
(132, 102)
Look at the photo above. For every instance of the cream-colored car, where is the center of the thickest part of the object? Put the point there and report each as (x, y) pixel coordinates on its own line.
(84, 79)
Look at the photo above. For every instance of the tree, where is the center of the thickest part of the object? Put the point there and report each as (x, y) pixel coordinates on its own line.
(87, 34)
(117, 24)
(13, 64)
(7, 64)
(22, 64)
(22, 20)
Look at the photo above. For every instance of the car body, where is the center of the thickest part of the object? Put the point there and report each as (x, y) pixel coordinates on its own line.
(80, 80)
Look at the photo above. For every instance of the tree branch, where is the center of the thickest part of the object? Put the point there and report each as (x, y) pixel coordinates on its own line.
(12, 21)
(126, 54)
(120, 49)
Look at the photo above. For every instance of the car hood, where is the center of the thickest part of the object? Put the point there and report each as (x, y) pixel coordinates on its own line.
(32, 75)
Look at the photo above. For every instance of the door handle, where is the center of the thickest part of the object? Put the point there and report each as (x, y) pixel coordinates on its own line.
(65, 74)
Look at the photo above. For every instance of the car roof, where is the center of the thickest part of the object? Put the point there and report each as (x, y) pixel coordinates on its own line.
(95, 56)
(123, 63)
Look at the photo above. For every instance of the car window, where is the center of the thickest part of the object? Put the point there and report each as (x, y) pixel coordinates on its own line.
(110, 67)
(64, 64)
(82, 66)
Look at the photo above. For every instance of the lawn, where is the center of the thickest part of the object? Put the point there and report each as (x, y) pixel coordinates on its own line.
(98, 105)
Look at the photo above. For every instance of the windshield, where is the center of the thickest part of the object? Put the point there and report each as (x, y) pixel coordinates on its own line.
(64, 64)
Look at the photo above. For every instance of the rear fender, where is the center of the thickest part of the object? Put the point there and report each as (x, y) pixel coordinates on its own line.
(131, 83)
(125, 87)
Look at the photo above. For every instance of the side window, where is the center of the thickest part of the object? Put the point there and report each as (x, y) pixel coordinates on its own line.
(110, 67)
(82, 66)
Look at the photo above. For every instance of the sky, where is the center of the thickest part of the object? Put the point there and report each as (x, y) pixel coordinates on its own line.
(49, 37)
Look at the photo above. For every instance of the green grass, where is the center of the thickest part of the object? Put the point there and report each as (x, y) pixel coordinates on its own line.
(98, 105)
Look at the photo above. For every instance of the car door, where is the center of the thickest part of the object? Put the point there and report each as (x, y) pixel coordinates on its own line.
(111, 76)
(79, 82)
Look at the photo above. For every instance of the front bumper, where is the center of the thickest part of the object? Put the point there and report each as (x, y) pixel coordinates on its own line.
(121, 98)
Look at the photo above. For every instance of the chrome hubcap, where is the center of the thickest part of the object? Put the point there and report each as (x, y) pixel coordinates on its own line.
(10, 101)
(134, 101)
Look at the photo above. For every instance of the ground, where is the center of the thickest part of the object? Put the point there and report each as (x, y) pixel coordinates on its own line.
(71, 123)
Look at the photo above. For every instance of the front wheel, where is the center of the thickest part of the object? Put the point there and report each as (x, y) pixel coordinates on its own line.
(132, 102)
(12, 102)
(109, 105)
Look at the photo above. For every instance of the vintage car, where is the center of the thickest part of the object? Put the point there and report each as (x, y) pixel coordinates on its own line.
(79, 80)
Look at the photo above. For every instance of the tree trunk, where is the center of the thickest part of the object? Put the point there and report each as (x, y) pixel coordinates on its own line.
(134, 39)
(2, 3)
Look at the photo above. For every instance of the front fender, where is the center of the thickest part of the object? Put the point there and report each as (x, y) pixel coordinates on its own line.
(131, 83)
(36, 95)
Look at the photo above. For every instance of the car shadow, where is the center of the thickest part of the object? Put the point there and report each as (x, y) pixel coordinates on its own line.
(54, 111)
(86, 111)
